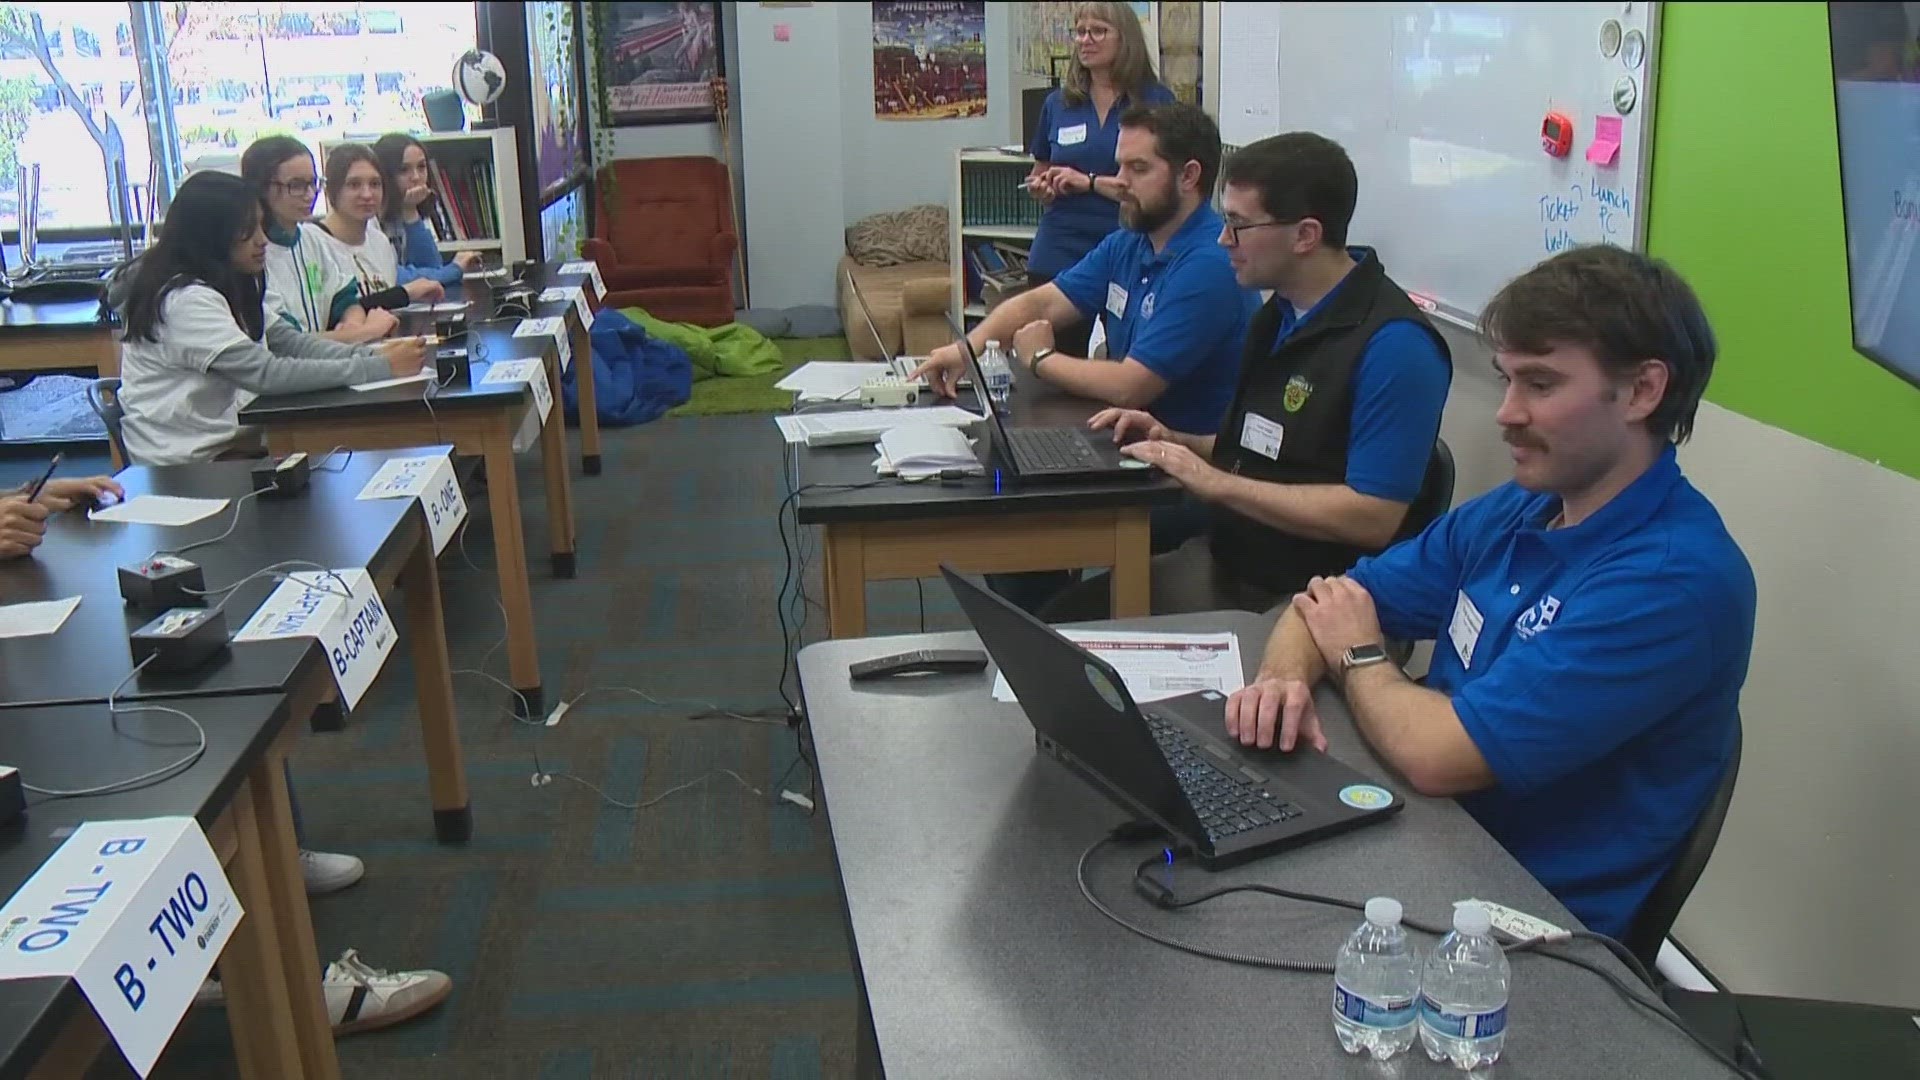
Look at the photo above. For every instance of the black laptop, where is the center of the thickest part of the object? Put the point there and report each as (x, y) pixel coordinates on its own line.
(1169, 762)
(1042, 453)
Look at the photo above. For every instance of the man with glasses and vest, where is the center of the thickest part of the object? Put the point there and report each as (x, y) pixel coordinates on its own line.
(1342, 382)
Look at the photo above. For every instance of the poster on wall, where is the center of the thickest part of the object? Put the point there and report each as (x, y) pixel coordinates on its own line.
(659, 61)
(559, 153)
(929, 59)
(1043, 35)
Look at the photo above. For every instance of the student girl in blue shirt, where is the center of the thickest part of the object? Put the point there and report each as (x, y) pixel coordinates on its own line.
(1073, 144)
(404, 161)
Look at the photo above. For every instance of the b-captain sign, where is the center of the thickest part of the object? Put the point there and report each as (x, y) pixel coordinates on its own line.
(136, 912)
(355, 630)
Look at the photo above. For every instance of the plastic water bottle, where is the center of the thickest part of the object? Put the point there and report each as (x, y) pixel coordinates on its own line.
(1376, 980)
(998, 372)
(1463, 993)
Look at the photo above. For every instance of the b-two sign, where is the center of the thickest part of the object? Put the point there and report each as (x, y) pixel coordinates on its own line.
(534, 374)
(136, 912)
(355, 630)
(430, 479)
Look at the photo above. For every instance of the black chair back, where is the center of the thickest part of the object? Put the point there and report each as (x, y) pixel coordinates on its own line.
(104, 396)
(1436, 492)
(1649, 928)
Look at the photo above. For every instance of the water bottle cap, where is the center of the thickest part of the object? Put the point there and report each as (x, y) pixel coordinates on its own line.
(1383, 911)
(1471, 919)
(993, 343)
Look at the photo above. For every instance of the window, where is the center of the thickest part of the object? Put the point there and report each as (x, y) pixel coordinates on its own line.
(71, 107)
(72, 102)
(243, 70)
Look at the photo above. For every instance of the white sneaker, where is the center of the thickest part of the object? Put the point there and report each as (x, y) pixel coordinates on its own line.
(361, 998)
(327, 872)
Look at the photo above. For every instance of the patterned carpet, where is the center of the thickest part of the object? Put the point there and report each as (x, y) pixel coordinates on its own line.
(699, 938)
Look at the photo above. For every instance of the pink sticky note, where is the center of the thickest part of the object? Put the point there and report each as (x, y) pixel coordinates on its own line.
(1606, 140)
(783, 31)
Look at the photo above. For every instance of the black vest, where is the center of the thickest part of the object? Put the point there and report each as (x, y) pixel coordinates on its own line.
(1305, 386)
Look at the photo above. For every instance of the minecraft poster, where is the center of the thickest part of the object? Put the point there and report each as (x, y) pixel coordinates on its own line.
(929, 59)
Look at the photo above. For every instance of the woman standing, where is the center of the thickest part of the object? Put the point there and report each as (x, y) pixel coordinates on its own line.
(404, 160)
(309, 282)
(1073, 144)
(356, 195)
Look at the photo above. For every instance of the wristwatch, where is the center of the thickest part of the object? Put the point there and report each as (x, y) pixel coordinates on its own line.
(1033, 365)
(1360, 656)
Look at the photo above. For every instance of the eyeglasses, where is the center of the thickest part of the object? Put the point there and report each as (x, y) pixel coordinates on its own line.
(1092, 33)
(1234, 231)
(299, 188)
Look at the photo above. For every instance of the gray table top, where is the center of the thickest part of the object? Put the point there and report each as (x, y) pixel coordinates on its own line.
(956, 845)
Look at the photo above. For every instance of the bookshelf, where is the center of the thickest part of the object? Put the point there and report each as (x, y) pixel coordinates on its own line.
(477, 175)
(988, 205)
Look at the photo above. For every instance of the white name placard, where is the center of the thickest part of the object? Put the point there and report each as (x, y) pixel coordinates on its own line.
(136, 912)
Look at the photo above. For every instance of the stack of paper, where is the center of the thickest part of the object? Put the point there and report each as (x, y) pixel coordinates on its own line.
(856, 426)
(831, 380)
(918, 451)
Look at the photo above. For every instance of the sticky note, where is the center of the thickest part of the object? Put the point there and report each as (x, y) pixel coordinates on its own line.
(1606, 140)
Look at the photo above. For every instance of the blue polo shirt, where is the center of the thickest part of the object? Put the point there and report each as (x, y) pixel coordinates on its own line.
(1072, 135)
(1178, 311)
(1399, 391)
(1602, 685)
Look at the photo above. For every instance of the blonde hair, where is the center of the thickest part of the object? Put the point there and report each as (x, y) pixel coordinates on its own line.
(1133, 69)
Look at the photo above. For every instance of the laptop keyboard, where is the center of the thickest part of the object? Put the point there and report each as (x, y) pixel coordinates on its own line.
(1228, 804)
(1051, 450)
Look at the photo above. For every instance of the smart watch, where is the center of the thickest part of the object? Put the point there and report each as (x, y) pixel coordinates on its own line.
(1033, 365)
(1360, 656)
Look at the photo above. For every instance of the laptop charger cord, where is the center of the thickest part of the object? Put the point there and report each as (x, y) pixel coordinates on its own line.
(1152, 880)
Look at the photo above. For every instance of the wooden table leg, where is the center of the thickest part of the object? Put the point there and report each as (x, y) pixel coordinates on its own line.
(1132, 550)
(287, 892)
(433, 682)
(510, 558)
(553, 454)
(589, 398)
(259, 1006)
(846, 581)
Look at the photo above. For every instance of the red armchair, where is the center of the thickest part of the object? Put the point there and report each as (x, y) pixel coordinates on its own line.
(664, 238)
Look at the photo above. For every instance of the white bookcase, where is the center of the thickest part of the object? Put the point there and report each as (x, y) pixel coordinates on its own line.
(456, 152)
(988, 204)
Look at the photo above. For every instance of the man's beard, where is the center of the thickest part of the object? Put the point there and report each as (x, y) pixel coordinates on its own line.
(1145, 218)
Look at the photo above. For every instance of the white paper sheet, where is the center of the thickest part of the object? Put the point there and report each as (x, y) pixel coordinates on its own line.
(831, 380)
(869, 424)
(421, 376)
(1156, 666)
(35, 619)
(159, 510)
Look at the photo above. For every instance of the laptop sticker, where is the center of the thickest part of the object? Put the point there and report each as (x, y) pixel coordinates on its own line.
(1366, 796)
(1105, 688)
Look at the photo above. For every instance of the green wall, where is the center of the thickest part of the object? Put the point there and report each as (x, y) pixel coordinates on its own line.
(1746, 204)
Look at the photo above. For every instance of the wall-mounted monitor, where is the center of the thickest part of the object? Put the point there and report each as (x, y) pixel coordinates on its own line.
(1876, 94)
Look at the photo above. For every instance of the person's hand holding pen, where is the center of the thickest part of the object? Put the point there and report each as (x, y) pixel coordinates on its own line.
(1036, 184)
(407, 355)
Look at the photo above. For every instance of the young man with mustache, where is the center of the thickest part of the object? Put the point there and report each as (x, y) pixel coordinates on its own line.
(1592, 618)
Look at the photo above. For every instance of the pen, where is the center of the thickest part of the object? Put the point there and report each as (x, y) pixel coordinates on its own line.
(41, 483)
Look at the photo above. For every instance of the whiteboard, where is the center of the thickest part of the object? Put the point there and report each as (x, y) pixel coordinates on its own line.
(1440, 106)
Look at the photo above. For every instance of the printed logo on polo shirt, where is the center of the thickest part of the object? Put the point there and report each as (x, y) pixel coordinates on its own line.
(1146, 307)
(1537, 618)
(1298, 390)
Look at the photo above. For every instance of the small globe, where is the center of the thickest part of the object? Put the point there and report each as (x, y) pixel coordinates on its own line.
(479, 77)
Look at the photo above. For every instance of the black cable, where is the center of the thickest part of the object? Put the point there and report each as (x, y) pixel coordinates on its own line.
(921, 594)
(1161, 894)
